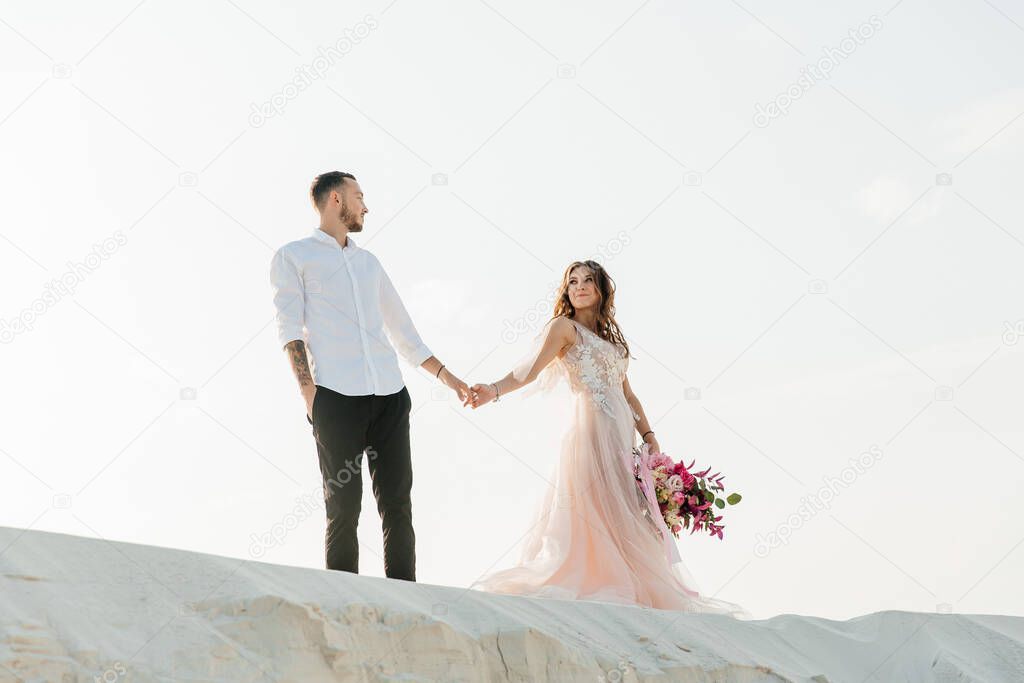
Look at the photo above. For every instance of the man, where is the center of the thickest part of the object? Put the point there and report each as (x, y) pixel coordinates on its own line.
(334, 302)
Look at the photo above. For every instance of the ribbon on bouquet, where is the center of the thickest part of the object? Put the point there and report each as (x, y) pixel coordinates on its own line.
(645, 482)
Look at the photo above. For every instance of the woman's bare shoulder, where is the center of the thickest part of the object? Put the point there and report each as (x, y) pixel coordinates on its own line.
(564, 329)
(563, 326)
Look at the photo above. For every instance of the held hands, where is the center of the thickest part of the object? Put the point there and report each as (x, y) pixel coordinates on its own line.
(478, 395)
(481, 394)
(457, 385)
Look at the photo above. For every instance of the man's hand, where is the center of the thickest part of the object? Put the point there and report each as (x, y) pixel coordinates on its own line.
(481, 394)
(457, 385)
(296, 350)
(308, 392)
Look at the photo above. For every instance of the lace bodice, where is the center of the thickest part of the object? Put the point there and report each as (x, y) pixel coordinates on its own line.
(596, 368)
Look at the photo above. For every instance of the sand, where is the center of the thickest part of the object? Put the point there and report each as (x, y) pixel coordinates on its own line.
(82, 609)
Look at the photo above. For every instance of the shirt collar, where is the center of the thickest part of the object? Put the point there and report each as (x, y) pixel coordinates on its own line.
(324, 237)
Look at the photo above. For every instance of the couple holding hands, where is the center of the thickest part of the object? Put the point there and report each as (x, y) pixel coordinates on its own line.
(593, 538)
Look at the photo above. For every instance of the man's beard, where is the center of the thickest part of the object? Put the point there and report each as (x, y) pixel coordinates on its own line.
(350, 220)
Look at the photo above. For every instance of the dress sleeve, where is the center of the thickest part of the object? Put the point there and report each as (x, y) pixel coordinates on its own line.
(551, 375)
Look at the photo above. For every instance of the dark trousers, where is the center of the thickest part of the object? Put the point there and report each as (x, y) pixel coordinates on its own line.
(349, 430)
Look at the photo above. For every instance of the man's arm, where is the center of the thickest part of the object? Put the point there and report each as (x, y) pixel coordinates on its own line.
(296, 351)
(290, 304)
(407, 340)
(400, 326)
(289, 297)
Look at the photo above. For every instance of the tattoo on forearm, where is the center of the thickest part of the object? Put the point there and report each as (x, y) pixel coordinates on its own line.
(300, 365)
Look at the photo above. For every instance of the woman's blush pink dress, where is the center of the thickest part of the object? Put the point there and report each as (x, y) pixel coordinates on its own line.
(595, 536)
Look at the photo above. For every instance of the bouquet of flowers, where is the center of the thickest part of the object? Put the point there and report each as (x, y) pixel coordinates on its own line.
(687, 500)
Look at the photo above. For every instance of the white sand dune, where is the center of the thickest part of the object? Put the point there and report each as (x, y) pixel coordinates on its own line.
(81, 609)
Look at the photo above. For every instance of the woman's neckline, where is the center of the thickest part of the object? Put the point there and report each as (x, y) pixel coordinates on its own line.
(588, 329)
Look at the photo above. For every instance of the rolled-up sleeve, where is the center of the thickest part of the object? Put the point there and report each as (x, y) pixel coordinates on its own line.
(289, 298)
(399, 325)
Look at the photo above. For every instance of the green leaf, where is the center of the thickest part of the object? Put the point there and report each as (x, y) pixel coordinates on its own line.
(719, 503)
(734, 498)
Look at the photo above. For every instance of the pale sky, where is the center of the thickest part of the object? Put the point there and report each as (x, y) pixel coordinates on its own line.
(840, 279)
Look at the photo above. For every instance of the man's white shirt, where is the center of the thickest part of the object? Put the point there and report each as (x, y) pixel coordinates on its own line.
(341, 302)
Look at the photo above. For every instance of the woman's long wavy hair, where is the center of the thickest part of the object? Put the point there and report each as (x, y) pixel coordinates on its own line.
(607, 328)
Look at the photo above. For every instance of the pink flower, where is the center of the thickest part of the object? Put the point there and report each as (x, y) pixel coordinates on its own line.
(686, 498)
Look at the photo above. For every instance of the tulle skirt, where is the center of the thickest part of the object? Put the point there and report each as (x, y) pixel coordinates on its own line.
(591, 538)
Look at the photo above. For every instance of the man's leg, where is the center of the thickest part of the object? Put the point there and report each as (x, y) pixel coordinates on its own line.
(339, 425)
(390, 463)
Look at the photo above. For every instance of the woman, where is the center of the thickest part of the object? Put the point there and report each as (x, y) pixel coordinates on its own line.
(594, 537)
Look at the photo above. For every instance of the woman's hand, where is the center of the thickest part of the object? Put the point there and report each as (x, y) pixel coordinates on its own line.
(652, 442)
(482, 394)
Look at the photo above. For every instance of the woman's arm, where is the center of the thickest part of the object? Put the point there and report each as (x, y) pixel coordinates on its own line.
(561, 334)
(643, 426)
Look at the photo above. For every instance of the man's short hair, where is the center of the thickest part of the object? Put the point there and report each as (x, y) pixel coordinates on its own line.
(324, 183)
